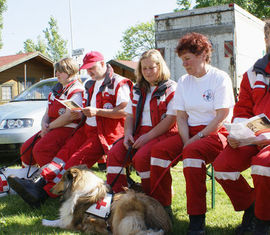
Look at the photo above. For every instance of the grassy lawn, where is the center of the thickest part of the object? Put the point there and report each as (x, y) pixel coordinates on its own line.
(16, 217)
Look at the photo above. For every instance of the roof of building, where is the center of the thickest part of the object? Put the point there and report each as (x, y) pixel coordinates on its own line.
(10, 61)
(125, 64)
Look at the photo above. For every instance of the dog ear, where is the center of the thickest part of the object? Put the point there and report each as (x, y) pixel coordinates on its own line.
(73, 172)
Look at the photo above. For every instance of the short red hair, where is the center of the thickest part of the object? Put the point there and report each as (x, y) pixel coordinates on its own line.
(196, 44)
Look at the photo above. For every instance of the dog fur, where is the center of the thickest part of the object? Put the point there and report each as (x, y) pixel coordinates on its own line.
(132, 213)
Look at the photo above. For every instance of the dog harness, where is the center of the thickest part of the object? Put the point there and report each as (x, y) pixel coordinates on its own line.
(102, 208)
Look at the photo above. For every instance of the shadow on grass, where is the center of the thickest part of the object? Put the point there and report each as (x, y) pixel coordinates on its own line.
(13, 205)
(180, 227)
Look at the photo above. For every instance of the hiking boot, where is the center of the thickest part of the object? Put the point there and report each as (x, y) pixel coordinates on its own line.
(261, 227)
(248, 222)
(102, 167)
(196, 225)
(30, 191)
(137, 187)
(168, 209)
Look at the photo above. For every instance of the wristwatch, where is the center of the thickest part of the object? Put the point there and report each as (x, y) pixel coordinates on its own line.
(200, 134)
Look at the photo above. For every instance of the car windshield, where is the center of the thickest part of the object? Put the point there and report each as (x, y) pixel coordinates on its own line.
(38, 91)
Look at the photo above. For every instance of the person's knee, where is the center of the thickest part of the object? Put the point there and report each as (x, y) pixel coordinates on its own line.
(219, 163)
(190, 151)
(158, 151)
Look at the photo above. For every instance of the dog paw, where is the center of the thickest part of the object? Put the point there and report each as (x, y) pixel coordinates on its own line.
(51, 223)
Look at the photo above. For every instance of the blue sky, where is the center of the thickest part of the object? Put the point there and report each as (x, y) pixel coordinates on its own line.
(96, 24)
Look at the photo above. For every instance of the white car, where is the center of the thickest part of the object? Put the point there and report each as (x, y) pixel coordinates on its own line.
(21, 117)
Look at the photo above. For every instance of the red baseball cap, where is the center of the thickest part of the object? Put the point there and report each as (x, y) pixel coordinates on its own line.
(91, 58)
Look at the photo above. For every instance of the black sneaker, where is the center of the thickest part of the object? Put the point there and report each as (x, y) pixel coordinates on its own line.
(31, 192)
(248, 222)
(102, 167)
(261, 227)
(168, 209)
(196, 225)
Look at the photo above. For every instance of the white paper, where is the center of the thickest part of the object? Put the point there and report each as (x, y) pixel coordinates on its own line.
(70, 104)
(247, 131)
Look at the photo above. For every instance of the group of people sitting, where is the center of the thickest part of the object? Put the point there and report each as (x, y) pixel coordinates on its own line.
(152, 125)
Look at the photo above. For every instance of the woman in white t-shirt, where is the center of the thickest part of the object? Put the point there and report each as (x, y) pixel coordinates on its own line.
(203, 100)
(150, 119)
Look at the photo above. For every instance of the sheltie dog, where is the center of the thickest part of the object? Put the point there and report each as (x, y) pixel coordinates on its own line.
(131, 213)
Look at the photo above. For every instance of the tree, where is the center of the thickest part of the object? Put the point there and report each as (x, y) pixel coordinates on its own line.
(136, 40)
(30, 46)
(183, 5)
(3, 7)
(259, 8)
(56, 46)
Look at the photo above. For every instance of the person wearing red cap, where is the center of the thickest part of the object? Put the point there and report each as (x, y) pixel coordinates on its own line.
(106, 96)
(254, 98)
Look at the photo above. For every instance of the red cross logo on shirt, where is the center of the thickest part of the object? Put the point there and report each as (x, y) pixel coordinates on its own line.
(100, 204)
(2, 184)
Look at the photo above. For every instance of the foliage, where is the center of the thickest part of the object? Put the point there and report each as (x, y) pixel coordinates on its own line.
(56, 46)
(259, 8)
(16, 215)
(183, 5)
(3, 7)
(30, 46)
(136, 40)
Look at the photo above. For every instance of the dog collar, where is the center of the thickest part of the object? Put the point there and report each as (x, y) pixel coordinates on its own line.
(102, 208)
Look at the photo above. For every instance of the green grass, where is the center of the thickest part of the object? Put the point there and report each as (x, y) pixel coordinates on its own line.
(16, 217)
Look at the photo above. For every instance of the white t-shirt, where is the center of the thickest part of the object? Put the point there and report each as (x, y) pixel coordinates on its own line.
(146, 114)
(122, 96)
(201, 97)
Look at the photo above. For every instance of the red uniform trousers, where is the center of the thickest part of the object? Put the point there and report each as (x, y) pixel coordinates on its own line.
(228, 166)
(140, 161)
(83, 148)
(45, 148)
(195, 157)
(162, 154)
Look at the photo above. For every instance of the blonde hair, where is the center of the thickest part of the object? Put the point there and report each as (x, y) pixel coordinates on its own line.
(267, 34)
(68, 66)
(156, 57)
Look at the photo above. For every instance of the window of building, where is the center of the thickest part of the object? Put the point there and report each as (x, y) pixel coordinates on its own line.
(6, 92)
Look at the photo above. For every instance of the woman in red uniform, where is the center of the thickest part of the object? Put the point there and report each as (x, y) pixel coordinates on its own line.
(202, 99)
(57, 123)
(149, 120)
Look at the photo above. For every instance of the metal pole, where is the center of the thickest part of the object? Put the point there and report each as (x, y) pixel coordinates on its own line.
(25, 77)
(70, 24)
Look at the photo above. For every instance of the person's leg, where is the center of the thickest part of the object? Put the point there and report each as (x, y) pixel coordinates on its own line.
(260, 171)
(88, 153)
(49, 145)
(162, 154)
(26, 150)
(141, 163)
(115, 160)
(228, 167)
(195, 158)
(59, 161)
(32, 191)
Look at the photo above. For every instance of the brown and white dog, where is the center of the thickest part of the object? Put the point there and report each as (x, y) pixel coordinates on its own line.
(132, 213)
